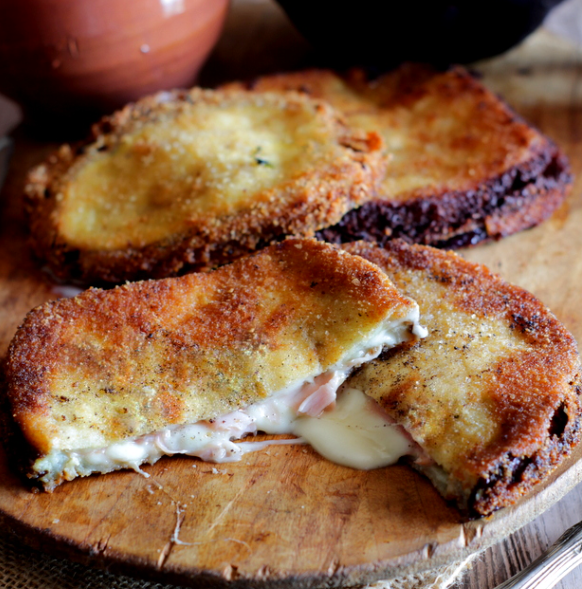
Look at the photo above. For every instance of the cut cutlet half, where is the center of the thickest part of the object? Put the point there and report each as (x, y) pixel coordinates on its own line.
(115, 378)
(190, 180)
(492, 394)
(465, 168)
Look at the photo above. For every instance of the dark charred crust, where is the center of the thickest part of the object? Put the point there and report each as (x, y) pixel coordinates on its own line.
(520, 199)
(515, 476)
(559, 422)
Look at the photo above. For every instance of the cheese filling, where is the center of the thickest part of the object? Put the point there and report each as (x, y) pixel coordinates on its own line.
(352, 431)
(356, 432)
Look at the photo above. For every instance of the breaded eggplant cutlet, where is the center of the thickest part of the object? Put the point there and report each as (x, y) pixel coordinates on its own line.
(116, 378)
(486, 405)
(189, 180)
(492, 394)
(465, 168)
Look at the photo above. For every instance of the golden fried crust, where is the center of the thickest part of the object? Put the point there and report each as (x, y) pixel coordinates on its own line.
(492, 394)
(465, 168)
(190, 180)
(112, 364)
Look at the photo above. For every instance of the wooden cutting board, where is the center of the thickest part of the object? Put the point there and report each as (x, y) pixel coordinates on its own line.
(284, 516)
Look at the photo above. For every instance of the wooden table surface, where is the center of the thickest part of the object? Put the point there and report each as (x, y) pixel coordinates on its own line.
(542, 81)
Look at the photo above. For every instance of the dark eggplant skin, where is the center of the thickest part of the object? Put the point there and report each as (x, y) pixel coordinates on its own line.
(385, 33)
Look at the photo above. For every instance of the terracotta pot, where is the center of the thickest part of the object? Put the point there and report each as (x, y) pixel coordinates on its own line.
(75, 57)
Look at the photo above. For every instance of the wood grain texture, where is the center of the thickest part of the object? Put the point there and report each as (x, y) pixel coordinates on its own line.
(286, 517)
(541, 79)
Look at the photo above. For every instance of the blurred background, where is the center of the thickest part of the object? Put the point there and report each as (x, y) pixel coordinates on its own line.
(77, 59)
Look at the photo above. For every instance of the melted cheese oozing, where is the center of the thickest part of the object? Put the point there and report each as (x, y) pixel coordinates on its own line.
(354, 431)
(351, 430)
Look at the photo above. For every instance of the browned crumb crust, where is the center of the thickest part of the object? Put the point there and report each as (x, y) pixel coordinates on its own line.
(466, 168)
(299, 205)
(531, 392)
(109, 365)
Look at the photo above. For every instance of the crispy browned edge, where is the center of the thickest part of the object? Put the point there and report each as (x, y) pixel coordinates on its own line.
(504, 473)
(504, 476)
(322, 196)
(37, 348)
(497, 205)
(520, 199)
